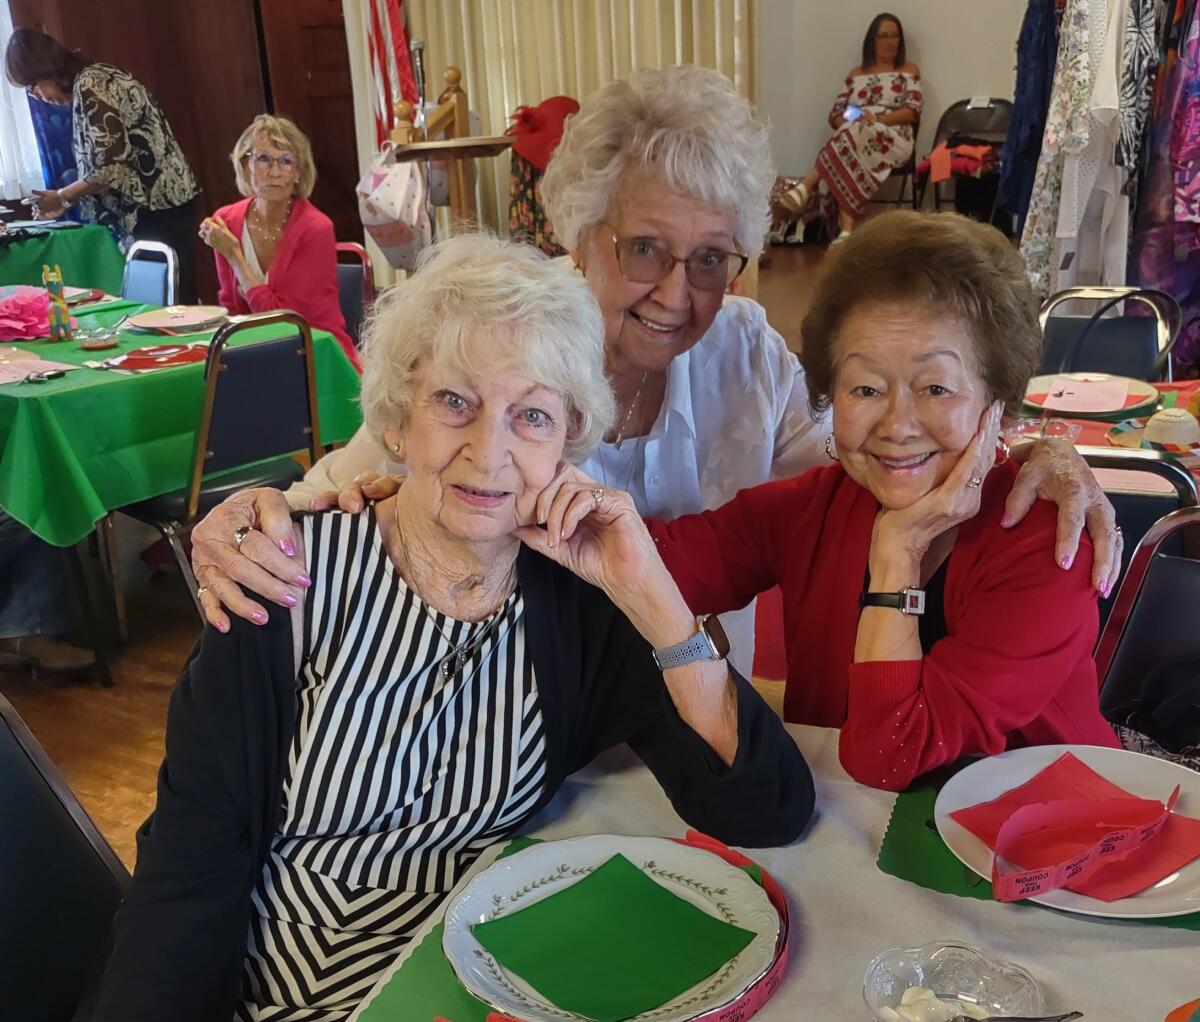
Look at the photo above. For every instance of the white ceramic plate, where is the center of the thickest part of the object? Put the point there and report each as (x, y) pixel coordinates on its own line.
(697, 876)
(1143, 776)
(1040, 385)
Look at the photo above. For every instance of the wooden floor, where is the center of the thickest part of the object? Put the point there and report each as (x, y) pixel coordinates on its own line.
(108, 743)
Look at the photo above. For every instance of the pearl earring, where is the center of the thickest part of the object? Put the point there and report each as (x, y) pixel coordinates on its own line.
(830, 453)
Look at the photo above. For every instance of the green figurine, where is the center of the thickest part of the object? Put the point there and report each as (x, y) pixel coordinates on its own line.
(60, 315)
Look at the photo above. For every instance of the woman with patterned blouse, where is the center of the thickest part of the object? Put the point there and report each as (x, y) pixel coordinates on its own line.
(874, 119)
(133, 177)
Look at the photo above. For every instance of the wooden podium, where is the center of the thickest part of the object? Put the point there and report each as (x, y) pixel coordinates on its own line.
(447, 137)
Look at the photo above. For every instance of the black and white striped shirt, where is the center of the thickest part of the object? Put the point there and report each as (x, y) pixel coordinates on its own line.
(398, 776)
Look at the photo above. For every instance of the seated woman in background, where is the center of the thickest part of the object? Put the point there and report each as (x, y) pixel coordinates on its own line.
(331, 776)
(874, 119)
(275, 249)
(915, 621)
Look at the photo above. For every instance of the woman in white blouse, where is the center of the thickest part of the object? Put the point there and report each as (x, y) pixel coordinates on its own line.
(659, 189)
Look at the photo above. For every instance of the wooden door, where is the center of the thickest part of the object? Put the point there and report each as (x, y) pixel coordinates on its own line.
(309, 80)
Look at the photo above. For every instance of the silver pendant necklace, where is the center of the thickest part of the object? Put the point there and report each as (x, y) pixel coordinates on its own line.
(620, 437)
(461, 652)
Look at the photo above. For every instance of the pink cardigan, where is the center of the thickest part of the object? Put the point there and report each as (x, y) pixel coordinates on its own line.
(1015, 669)
(301, 277)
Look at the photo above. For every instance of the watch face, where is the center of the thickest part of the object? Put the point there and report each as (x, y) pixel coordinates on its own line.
(716, 636)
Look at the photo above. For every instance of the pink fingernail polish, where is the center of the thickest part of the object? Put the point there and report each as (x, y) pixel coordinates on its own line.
(290, 600)
(288, 547)
(259, 617)
(1006, 521)
(1066, 563)
(303, 580)
(223, 628)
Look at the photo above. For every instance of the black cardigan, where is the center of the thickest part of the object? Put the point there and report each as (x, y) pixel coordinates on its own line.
(181, 934)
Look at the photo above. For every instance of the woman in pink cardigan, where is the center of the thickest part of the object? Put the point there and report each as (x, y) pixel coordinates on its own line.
(275, 249)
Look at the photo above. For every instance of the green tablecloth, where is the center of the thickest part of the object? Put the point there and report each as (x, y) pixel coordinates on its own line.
(73, 449)
(88, 257)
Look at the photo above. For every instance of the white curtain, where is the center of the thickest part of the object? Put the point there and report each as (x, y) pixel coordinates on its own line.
(20, 164)
(515, 52)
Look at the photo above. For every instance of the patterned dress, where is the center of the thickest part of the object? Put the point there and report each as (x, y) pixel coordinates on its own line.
(122, 140)
(527, 221)
(858, 159)
(399, 774)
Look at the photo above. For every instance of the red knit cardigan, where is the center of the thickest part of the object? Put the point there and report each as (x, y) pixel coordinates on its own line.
(1016, 666)
(302, 275)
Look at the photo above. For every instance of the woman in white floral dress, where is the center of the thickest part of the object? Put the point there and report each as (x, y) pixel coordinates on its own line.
(866, 145)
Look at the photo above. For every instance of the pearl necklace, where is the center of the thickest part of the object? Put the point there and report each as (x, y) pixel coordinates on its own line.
(259, 222)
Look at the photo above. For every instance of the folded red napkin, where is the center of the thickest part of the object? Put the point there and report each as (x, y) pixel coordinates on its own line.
(1057, 836)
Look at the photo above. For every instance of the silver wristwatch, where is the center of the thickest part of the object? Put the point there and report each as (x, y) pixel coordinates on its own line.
(709, 643)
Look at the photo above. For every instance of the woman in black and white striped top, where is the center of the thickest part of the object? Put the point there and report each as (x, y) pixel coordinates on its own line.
(331, 776)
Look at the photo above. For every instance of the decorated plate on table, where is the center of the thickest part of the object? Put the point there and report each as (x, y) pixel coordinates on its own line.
(161, 356)
(580, 935)
(1068, 394)
(1176, 894)
(179, 318)
(80, 295)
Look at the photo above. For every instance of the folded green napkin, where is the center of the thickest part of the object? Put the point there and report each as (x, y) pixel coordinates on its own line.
(612, 945)
(912, 850)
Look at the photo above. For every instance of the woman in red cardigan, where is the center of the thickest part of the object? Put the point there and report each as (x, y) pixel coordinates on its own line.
(915, 619)
(275, 249)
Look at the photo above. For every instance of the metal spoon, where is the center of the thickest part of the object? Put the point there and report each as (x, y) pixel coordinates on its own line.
(1024, 1018)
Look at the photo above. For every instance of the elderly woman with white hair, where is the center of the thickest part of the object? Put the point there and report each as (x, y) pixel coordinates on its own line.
(275, 249)
(660, 191)
(329, 777)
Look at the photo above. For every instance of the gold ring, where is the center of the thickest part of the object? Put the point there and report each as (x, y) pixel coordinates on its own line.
(200, 591)
(597, 496)
(239, 537)
(975, 482)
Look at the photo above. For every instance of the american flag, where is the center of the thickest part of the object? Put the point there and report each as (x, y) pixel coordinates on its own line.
(391, 68)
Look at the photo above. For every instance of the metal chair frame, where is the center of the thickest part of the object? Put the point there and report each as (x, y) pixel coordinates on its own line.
(994, 103)
(170, 257)
(907, 173)
(363, 257)
(1166, 311)
(1131, 585)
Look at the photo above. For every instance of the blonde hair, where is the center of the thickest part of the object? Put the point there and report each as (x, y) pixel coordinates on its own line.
(686, 126)
(283, 134)
(481, 306)
(946, 262)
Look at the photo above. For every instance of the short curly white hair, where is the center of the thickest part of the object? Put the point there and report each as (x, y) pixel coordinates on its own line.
(481, 306)
(685, 125)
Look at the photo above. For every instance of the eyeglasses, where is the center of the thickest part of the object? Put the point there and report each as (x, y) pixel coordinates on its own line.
(887, 35)
(649, 261)
(264, 162)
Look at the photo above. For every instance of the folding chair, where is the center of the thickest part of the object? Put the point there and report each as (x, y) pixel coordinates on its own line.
(1138, 509)
(151, 273)
(61, 884)
(1153, 621)
(260, 408)
(356, 287)
(972, 124)
(907, 173)
(1134, 346)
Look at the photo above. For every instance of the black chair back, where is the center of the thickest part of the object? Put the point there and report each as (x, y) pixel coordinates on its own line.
(356, 287)
(61, 882)
(962, 123)
(151, 273)
(260, 399)
(1154, 617)
(1134, 346)
(1138, 511)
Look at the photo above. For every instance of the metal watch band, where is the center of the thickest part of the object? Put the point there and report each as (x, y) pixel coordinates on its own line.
(910, 600)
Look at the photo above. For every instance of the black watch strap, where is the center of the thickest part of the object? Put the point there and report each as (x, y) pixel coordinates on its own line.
(910, 600)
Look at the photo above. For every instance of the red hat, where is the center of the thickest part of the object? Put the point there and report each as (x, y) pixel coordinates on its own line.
(537, 129)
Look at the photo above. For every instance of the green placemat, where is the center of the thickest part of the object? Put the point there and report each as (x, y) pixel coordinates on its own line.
(425, 987)
(912, 850)
(563, 944)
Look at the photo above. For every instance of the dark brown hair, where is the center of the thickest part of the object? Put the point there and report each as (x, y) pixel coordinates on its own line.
(868, 53)
(945, 262)
(33, 56)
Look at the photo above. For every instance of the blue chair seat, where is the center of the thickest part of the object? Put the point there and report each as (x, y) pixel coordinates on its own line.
(278, 474)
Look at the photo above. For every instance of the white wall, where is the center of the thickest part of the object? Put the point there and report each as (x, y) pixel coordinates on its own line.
(806, 47)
